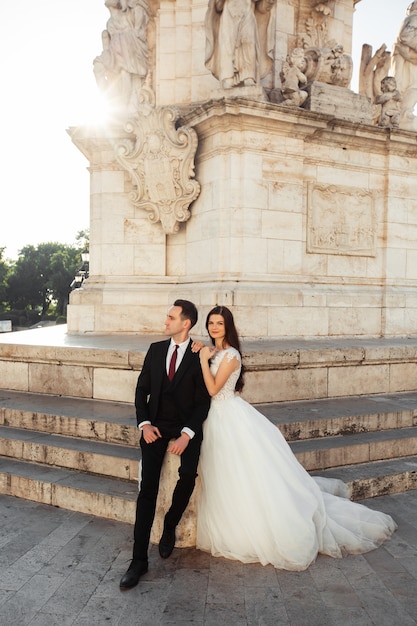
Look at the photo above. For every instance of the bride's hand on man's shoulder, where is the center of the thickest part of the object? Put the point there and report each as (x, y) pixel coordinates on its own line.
(196, 346)
(207, 353)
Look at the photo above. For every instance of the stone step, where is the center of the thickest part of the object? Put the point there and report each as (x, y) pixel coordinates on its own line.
(378, 478)
(96, 457)
(342, 416)
(116, 499)
(326, 452)
(122, 461)
(112, 422)
(115, 422)
(69, 489)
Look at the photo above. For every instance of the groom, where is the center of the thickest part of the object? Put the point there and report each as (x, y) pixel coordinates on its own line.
(172, 403)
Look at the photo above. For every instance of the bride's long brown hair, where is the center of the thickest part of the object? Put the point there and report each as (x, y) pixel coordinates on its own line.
(231, 336)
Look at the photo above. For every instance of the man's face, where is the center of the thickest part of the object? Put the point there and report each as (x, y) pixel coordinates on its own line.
(174, 325)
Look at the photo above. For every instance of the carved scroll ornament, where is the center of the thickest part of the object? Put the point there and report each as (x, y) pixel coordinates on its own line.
(160, 161)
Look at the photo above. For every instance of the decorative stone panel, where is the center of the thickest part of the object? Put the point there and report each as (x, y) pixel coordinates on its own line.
(341, 220)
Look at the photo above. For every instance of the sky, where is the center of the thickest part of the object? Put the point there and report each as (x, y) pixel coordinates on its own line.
(46, 49)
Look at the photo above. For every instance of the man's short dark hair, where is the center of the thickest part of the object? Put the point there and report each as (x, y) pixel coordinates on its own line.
(189, 311)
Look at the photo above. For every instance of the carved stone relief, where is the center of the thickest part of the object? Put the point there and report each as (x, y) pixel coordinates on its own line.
(160, 162)
(341, 220)
(316, 34)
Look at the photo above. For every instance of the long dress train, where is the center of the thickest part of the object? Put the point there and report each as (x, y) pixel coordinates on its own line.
(258, 504)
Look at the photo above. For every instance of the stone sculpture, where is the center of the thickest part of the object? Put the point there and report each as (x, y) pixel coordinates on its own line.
(121, 68)
(238, 44)
(404, 64)
(330, 65)
(292, 76)
(390, 101)
(373, 68)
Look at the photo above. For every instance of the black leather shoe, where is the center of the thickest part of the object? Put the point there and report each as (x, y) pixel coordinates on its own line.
(135, 571)
(167, 543)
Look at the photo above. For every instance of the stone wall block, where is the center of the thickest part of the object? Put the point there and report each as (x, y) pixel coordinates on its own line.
(356, 381)
(58, 379)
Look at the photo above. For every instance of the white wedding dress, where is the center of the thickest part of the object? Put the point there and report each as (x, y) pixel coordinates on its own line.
(258, 504)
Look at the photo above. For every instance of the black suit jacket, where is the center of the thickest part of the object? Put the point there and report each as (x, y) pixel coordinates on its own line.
(189, 391)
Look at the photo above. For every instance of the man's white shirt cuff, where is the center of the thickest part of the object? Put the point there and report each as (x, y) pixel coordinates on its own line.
(188, 432)
(185, 430)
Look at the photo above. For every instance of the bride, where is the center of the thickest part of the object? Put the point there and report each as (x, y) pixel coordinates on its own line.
(257, 503)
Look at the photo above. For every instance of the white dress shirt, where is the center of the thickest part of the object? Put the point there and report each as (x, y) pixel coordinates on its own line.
(180, 354)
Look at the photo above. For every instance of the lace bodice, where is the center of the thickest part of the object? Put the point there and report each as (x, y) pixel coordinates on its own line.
(228, 389)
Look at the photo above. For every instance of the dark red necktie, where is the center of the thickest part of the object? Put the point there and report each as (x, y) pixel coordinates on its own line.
(172, 364)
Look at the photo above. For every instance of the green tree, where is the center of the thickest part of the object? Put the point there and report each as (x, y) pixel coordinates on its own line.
(63, 266)
(42, 275)
(25, 281)
(4, 273)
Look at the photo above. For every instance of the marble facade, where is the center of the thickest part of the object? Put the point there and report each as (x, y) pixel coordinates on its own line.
(305, 218)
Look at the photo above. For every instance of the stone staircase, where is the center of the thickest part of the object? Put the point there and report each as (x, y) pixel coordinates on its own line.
(68, 436)
(82, 454)
(73, 453)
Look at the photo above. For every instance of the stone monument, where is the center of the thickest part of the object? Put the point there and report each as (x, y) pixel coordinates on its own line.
(239, 168)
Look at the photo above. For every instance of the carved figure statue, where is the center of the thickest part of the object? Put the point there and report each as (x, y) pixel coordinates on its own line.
(404, 62)
(330, 65)
(338, 65)
(121, 68)
(372, 70)
(235, 32)
(390, 100)
(291, 76)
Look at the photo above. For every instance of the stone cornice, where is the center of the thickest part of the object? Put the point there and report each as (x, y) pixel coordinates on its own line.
(307, 125)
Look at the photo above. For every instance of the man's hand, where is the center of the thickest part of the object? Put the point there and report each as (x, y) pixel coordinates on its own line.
(150, 433)
(179, 445)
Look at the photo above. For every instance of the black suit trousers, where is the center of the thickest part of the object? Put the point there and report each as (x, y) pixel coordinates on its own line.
(152, 458)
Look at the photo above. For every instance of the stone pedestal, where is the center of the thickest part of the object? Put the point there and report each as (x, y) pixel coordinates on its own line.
(305, 226)
(251, 93)
(187, 528)
(339, 102)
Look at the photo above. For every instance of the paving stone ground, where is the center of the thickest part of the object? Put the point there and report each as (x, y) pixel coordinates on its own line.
(63, 568)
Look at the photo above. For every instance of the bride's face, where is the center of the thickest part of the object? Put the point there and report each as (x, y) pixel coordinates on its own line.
(216, 327)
